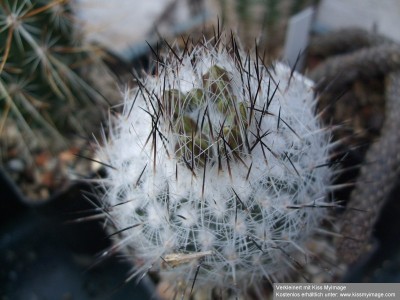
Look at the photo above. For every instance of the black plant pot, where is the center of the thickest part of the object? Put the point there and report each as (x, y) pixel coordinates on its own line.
(44, 257)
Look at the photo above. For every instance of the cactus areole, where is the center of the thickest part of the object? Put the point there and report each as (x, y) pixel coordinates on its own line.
(218, 169)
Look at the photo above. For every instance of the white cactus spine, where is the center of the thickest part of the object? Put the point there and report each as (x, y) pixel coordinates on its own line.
(219, 169)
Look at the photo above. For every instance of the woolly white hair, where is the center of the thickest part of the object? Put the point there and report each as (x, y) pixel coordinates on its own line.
(219, 169)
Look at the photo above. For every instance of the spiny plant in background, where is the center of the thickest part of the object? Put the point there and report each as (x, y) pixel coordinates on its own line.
(264, 20)
(217, 170)
(42, 65)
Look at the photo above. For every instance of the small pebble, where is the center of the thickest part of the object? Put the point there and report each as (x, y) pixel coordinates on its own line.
(16, 165)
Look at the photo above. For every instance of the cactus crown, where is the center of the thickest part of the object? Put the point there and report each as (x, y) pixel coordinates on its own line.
(218, 169)
(204, 141)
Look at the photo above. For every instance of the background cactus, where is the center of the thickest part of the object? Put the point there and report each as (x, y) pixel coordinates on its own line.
(217, 170)
(54, 90)
(44, 67)
(261, 20)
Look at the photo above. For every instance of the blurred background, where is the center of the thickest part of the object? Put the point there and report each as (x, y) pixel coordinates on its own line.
(64, 63)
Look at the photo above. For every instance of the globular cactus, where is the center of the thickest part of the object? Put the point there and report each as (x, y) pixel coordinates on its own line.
(42, 61)
(217, 170)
